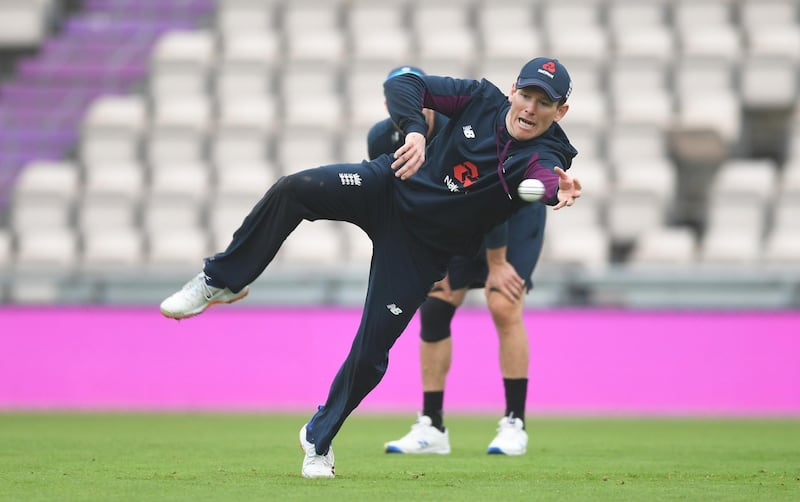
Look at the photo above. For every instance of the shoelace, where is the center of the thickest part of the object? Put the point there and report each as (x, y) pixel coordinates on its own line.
(507, 426)
(204, 288)
(418, 424)
(317, 459)
(506, 429)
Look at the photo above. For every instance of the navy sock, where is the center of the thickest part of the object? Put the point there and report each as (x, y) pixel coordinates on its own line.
(432, 405)
(516, 395)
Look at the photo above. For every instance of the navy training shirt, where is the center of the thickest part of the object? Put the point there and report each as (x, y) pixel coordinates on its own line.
(468, 182)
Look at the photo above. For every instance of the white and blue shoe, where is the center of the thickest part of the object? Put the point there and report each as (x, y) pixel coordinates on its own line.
(511, 438)
(423, 438)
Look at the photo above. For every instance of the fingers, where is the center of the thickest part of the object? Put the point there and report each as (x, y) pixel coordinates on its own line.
(569, 190)
(505, 280)
(568, 200)
(445, 286)
(520, 288)
(407, 162)
(561, 173)
(514, 289)
(407, 170)
(513, 292)
(401, 156)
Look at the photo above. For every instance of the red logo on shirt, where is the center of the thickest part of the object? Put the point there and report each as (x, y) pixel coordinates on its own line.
(550, 66)
(466, 173)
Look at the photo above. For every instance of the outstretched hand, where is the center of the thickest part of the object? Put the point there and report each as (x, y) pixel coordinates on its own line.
(569, 189)
(410, 156)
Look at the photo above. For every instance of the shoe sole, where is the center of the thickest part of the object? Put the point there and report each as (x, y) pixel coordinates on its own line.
(396, 450)
(497, 451)
(178, 316)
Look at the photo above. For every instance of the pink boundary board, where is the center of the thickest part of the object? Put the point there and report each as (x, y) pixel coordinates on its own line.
(256, 359)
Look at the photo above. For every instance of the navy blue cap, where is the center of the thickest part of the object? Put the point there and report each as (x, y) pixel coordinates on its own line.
(547, 74)
(400, 70)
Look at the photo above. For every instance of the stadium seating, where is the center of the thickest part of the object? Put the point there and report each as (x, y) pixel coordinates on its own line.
(25, 23)
(664, 247)
(5, 248)
(737, 211)
(41, 216)
(115, 247)
(112, 130)
(173, 117)
(314, 244)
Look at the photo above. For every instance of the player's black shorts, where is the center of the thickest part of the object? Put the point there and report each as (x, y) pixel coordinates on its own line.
(525, 238)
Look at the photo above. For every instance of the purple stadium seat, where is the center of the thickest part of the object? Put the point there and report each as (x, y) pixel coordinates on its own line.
(26, 96)
(104, 49)
(37, 140)
(151, 8)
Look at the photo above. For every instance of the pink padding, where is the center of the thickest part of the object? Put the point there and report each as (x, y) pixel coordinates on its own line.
(582, 361)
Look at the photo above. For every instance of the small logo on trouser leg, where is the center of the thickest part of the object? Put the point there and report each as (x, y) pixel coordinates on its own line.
(394, 309)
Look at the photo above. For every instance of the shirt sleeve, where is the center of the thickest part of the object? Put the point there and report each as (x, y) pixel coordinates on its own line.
(407, 94)
(404, 101)
(543, 169)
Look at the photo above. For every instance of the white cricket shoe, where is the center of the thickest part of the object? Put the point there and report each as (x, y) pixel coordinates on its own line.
(511, 438)
(423, 438)
(314, 464)
(195, 296)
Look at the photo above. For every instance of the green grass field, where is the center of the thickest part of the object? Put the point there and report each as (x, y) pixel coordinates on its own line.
(197, 457)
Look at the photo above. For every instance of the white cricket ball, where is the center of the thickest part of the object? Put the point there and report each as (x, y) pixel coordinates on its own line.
(530, 190)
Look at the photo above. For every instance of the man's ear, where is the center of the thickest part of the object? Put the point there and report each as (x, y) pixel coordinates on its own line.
(562, 110)
(513, 91)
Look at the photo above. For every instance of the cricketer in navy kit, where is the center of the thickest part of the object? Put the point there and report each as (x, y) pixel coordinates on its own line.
(385, 137)
(420, 208)
(515, 244)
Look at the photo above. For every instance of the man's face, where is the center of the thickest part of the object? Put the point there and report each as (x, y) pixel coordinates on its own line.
(532, 112)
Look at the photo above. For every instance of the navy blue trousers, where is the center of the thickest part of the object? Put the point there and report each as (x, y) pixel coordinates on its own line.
(401, 273)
